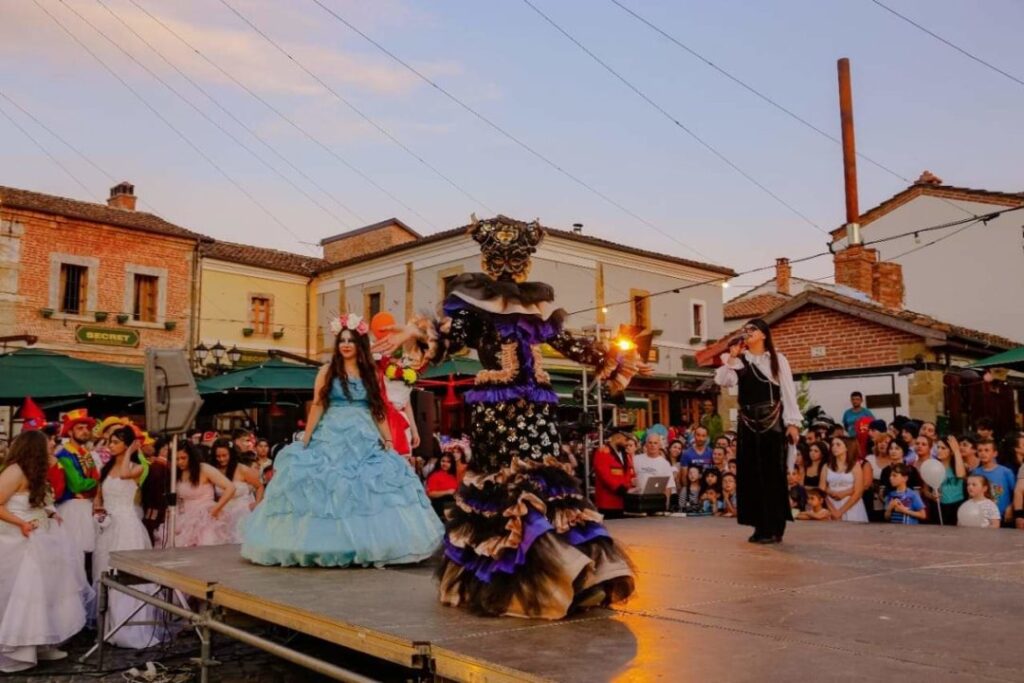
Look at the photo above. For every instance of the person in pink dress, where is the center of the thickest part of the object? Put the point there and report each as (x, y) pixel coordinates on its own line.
(198, 516)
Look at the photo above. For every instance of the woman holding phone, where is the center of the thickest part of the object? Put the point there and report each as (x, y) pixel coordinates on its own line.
(769, 419)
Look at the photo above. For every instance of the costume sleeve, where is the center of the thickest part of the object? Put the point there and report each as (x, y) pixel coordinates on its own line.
(76, 483)
(145, 469)
(450, 334)
(613, 367)
(726, 374)
(55, 476)
(791, 414)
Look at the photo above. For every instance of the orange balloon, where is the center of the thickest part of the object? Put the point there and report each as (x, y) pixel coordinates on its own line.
(380, 323)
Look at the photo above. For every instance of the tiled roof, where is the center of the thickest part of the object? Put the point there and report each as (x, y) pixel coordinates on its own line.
(981, 338)
(14, 198)
(263, 258)
(754, 306)
(942, 191)
(371, 228)
(565, 234)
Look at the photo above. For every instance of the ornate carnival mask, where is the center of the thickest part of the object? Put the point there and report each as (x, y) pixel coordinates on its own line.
(506, 245)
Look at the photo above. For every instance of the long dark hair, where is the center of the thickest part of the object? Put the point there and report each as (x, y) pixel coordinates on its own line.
(125, 435)
(769, 345)
(195, 461)
(852, 454)
(367, 373)
(229, 472)
(30, 451)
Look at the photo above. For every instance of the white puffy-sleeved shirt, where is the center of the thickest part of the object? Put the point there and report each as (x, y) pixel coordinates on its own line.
(725, 376)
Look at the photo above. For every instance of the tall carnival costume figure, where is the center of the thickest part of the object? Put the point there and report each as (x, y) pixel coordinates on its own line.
(521, 540)
(343, 496)
(768, 418)
(82, 475)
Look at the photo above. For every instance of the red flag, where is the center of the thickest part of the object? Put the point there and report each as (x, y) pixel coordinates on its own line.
(32, 416)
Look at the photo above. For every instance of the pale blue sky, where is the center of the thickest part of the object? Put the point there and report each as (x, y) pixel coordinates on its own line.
(919, 105)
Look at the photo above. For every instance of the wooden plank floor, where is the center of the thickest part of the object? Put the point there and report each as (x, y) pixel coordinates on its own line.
(839, 601)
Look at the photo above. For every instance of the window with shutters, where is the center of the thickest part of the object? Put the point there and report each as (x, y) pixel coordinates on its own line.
(697, 319)
(146, 298)
(74, 288)
(260, 307)
(641, 308)
(373, 299)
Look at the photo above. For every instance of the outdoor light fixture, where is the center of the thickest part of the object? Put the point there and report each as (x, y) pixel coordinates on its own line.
(234, 355)
(725, 285)
(625, 344)
(906, 371)
(604, 309)
(218, 351)
(201, 352)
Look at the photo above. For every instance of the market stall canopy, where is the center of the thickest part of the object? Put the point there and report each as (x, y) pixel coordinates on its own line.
(1014, 358)
(273, 374)
(457, 366)
(45, 375)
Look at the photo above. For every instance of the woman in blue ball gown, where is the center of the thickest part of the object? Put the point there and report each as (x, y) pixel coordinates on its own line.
(343, 496)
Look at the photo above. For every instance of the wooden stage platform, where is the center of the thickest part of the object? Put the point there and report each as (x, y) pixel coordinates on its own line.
(835, 602)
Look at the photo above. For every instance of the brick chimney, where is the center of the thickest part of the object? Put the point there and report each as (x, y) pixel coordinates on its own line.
(928, 178)
(888, 285)
(783, 272)
(855, 267)
(122, 196)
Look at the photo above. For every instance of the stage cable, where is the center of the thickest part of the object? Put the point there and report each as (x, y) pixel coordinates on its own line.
(675, 120)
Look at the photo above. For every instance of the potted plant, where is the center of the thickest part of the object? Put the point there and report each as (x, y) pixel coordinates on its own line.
(101, 316)
(46, 312)
(278, 334)
(247, 331)
(122, 318)
(695, 340)
(170, 325)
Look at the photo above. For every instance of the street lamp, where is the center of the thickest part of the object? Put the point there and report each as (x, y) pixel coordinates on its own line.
(234, 355)
(218, 352)
(201, 352)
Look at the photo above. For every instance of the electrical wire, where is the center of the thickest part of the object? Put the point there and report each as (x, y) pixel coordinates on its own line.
(245, 127)
(751, 89)
(506, 134)
(939, 38)
(381, 129)
(674, 120)
(156, 112)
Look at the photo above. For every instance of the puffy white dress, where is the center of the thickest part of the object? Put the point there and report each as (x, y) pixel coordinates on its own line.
(237, 510)
(844, 480)
(123, 530)
(42, 587)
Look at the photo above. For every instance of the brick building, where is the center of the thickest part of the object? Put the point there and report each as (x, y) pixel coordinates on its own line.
(856, 335)
(99, 282)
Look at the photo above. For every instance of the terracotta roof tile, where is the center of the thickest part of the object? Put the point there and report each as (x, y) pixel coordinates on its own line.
(754, 306)
(263, 258)
(14, 198)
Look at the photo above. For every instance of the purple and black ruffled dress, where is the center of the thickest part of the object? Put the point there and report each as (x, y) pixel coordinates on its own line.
(522, 540)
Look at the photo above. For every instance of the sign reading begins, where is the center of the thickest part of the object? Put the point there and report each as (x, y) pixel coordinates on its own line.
(107, 336)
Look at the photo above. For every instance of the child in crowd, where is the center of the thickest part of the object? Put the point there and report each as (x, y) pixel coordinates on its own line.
(979, 510)
(999, 476)
(815, 511)
(690, 491)
(797, 491)
(732, 466)
(903, 505)
(729, 494)
(711, 493)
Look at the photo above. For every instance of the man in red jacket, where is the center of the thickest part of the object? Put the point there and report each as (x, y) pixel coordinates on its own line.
(613, 467)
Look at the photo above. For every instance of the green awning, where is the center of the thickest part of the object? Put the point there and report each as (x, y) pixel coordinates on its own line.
(466, 367)
(1014, 358)
(274, 374)
(48, 375)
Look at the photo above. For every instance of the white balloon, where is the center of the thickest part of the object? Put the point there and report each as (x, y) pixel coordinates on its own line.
(933, 472)
(970, 515)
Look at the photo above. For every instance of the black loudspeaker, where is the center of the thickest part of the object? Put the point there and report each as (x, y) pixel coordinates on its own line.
(172, 400)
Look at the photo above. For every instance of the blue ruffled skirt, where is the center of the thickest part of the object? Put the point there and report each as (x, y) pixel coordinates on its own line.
(343, 500)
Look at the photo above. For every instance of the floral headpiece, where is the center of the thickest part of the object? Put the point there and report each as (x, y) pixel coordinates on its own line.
(349, 322)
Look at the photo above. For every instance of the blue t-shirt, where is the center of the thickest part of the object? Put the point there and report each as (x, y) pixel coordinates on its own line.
(851, 416)
(1002, 480)
(911, 499)
(702, 459)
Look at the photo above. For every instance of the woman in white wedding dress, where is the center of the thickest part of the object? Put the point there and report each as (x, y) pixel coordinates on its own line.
(121, 529)
(42, 581)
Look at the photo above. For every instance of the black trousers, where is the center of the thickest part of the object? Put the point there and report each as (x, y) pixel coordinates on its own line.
(762, 495)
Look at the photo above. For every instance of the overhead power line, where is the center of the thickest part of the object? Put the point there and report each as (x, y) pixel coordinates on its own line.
(156, 112)
(381, 129)
(964, 222)
(237, 121)
(672, 118)
(506, 134)
(751, 89)
(939, 38)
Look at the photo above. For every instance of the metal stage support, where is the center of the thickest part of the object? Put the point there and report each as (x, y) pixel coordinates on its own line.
(208, 621)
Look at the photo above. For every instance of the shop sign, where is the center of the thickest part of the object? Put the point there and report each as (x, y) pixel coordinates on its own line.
(107, 336)
(251, 357)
